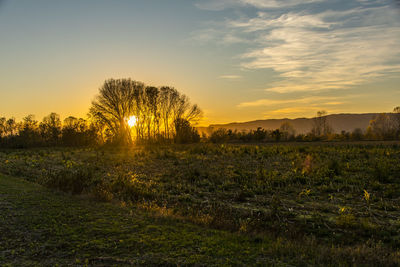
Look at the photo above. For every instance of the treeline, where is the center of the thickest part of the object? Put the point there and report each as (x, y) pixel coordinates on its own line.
(385, 126)
(156, 114)
(51, 131)
(76, 132)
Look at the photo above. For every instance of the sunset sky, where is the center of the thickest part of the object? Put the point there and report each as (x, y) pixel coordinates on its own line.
(240, 60)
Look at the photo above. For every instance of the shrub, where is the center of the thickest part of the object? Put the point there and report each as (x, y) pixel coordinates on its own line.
(74, 180)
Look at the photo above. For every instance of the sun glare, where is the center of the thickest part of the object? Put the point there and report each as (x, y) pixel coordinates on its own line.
(132, 121)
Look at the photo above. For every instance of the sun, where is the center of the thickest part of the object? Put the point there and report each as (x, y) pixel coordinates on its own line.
(132, 121)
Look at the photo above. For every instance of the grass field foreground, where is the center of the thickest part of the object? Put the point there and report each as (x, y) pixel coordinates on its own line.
(301, 205)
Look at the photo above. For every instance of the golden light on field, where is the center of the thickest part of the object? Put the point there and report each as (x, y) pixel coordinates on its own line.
(132, 121)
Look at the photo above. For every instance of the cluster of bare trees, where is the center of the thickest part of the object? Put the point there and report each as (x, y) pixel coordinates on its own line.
(159, 112)
(385, 125)
(321, 126)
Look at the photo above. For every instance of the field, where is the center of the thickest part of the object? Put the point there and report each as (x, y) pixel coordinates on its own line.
(304, 204)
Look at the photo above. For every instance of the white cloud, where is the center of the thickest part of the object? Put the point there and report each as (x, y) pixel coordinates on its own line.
(319, 50)
(265, 21)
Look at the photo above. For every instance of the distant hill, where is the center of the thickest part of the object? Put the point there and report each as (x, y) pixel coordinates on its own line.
(339, 122)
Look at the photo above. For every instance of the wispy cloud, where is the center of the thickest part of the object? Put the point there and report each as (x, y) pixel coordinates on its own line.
(230, 77)
(223, 4)
(321, 100)
(296, 112)
(333, 103)
(215, 35)
(291, 111)
(316, 49)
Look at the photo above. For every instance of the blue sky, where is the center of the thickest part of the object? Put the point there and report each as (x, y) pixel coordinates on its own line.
(238, 59)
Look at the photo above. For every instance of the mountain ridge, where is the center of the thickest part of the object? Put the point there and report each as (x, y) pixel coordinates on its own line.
(339, 122)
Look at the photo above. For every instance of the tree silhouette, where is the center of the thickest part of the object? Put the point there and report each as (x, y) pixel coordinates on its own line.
(3, 127)
(77, 132)
(155, 109)
(320, 124)
(115, 103)
(50, 128)
(29, 132)
(382, 127)
(396, 114)
(11, 127)
(184, 133)
(287, 130)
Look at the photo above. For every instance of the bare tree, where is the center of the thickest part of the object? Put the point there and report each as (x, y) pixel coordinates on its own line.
(168, 98)
(152, 95)
(382, 127)
(115, 103)
(50, 128)
(2, 127)
(396, 117)
(287, 130)
(8, 127)
(184, 110)
(11, 127)
(29, 134)
(320, 124)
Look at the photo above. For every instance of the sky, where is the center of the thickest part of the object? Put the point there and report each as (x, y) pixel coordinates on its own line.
(239, 60)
